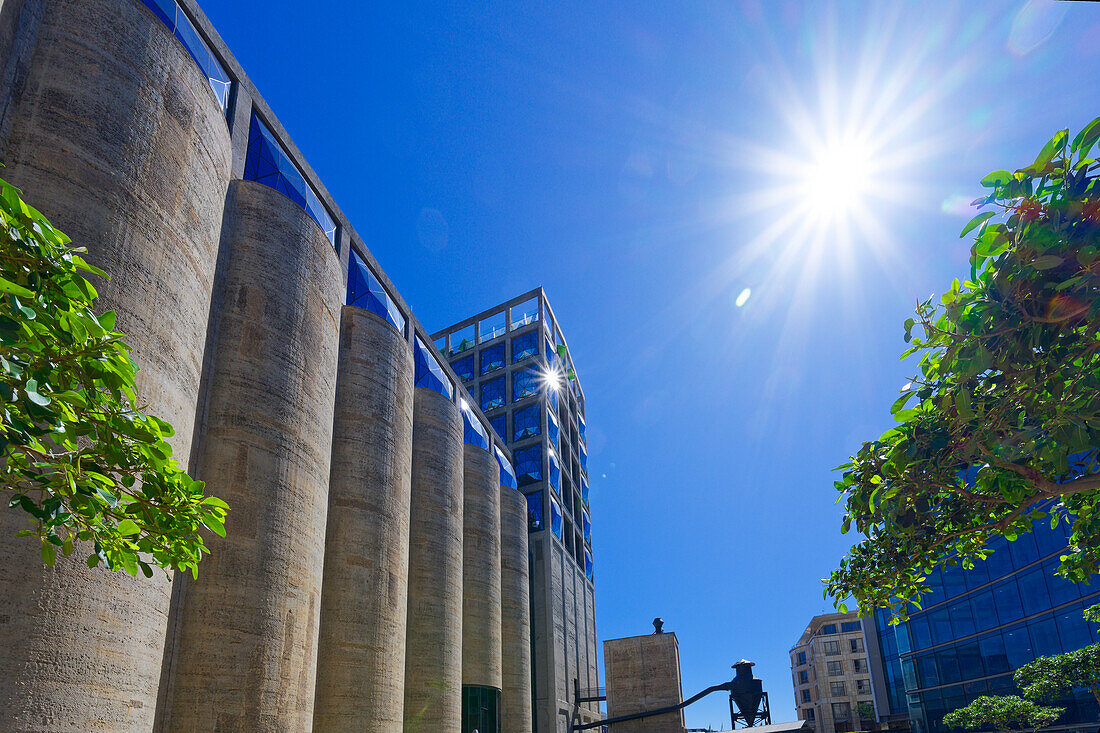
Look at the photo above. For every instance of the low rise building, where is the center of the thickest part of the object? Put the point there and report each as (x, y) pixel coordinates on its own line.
(832, 682)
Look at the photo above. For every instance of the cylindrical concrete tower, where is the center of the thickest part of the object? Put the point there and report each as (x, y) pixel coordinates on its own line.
(433, 650)
(481, 663)
(116, 136)
(515, 607)
(247, 646)
(361, 651)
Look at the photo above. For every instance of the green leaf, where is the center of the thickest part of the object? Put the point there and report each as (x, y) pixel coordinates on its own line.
(996, 178)
(48, 554)
(1085, 139)
(7, 286)
(1046, 262)
(31, 390)
(976, 222)
(128, 527)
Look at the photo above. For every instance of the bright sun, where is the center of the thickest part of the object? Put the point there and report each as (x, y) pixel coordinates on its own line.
(836, 181)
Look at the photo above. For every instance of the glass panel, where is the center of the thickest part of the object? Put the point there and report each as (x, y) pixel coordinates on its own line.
(1033, 591)
(994, 656)
(1000, 562)
(549, 353)
(534, 512)
(1018, 647)
(525, 345)
(588, 565)
(555, 518)
(491, 327)
(525, 422)
(524, 313)
(555, 473)
(584, 491)
(901, 638)
(976, 576)
(480, 709)
(1007, 598)
(850, 626)
(552, 396)
(492, 358)
(428, 372)
(1072, 629)
(985, 610)
(1044, 637)
(462, 340)
(587, 523)
(953, 581)
(464, 368)
(473, 432)
(940, 622)
(922, 634)
(1061, 590)
(528, 464)
(909, 674)
(177, 21)
(948, 662)
(366, 291)
(962, 620)
(970, 661)
(507, 475)
(935, 590)
(441, 345)
(581, 426)
(1023, 550)
(552, 429)
(929, 672)
(267, 163)
(492, 394)
(525, 383)
(584, 458)
(499, 424)
(1049, 540)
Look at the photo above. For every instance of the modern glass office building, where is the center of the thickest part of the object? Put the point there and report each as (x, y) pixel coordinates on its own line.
(515, 362)
(977, 627)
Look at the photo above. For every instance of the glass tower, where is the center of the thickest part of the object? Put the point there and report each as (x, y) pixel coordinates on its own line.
(516, 364)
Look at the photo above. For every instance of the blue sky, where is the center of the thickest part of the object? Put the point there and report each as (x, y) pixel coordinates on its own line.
(647, 163)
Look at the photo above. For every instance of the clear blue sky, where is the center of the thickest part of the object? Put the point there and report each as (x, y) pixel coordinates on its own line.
(646, 163)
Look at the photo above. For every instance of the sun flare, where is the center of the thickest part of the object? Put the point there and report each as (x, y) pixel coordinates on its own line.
(836, 181)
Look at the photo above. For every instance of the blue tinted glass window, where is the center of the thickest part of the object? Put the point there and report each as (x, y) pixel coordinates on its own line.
(976, 576)
(552, 394)
(499, 424)
(948, 662)
(1073, 629)
(549, 353)
(584, 458)
(524, 313)
(507, 475)
(525, 422)
(584, 490)
(528, 464)
(552, 429)
(1049, 540)
(970, 661)
(366, 291)
(928, 670)
(1033, 591)
(828, 629)
(901, 638)
(555, 474)
(555, 518)
(940, 623)
(1061, 590)
(525, 345)
(909, 674)
(492, 358)
(994, 656)
(534, 512)
(587, 527)
(588, 564)
(1007, 598)
(922, 634)
(492, 394)
(1018, 647)
(953, 581)
(1023, 550)
(177, 21)
(428, 372)
(473, 432)
(581, 428)
(999, 563)
(464, 368)
(267, 163)
(985, 610)
(525, 382)
(962, 620)
(1044, 636)
(850, 626)
(935, 590)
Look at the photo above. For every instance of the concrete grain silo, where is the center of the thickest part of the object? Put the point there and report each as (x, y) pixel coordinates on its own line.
(111, 129)
(361, 650)
(515, 605)
(433, 650)
(247, 645)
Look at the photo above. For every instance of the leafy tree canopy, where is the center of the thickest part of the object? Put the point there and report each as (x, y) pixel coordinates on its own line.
(1047, 677)
(1002, 712)
(1001, 424)
(77, 453)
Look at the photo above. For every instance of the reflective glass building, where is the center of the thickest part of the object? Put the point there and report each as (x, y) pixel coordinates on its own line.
(515, 362)
(977, 627)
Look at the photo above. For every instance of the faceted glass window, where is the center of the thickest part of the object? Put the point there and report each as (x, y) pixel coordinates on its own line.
(491, 327)
(588, 565)
(177, 21)
(428, 372)
(464, 368)
(525, 345)
(499, 424)
(587, 528)
(525, 422)
(524, 313)
(528, 464)
(584, 459)
(492, 358)
(581, 426)
(552, 395)
(550, 354)
(552, 429)
(555, 518)
(555, 473)
(365, 291)
(525, 383)
(267, 163)
(473, 432)
(584, 490)
(534, 512)
(492, 394)
(507, 475)
(462, 340)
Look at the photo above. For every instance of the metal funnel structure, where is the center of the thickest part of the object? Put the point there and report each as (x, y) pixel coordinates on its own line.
(747, 694)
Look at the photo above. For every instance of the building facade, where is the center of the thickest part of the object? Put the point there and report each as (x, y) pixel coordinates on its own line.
(831, 677)
(375, 535)
(514, 359)
(977, 627)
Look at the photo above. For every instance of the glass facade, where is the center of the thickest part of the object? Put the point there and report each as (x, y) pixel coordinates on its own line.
(555, 518)
(588, 565)
(525, 383)
(491, 327)
(980, 625)
(366, 291)
(587, 527)
(172, 15)
(528, 464)
(492, 358)
(473, 432)
(499, 424)
(552, 430)
(464, 368)
(525, 345)
(555, 473)
(428, 372)
(267, 163)
(524, 313)
(480, 709)
(507, 474)
(462, 340)
(525, 422)
(492, 394)
(534, 512)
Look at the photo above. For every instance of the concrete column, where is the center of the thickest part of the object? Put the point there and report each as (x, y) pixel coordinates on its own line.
(116, 136)
(361, 651)
(515, 608)
(481, 646)
(247, 644)
(433, 649)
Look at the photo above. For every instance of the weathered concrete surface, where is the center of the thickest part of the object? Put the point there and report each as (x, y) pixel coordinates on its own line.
(643, 673)
(247, 645)
(433, 650)
(361, 650)
(515, 609)
(481, 613)
(116, 136)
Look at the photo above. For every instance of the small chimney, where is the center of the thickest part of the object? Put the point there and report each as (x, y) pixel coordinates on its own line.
(658, 626)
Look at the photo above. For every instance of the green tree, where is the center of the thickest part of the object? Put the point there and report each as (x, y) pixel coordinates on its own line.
(77, 453)
(1001, 424)
(1003, 713)
(1047, 677)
